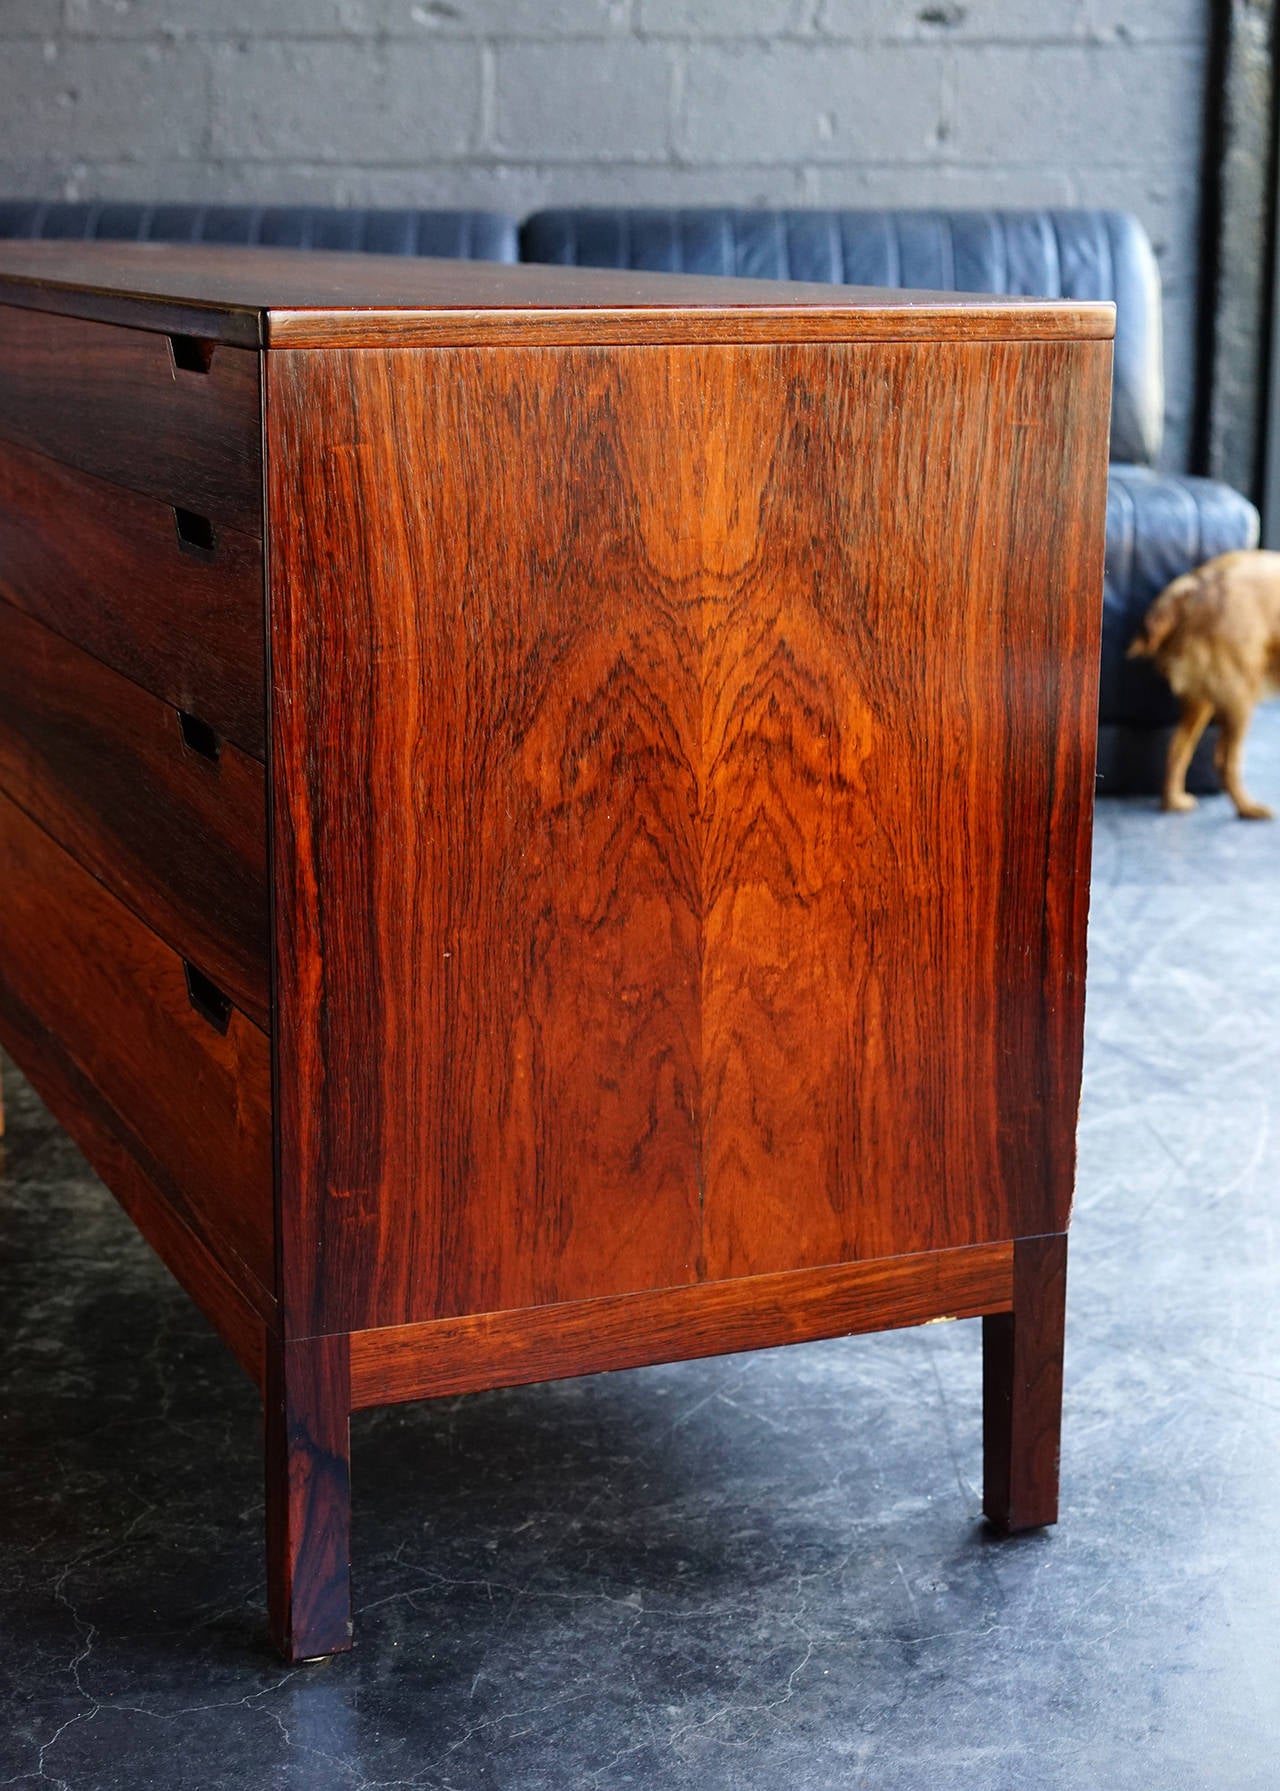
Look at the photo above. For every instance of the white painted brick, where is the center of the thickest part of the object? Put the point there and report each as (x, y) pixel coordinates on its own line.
(205, 182)
(583, 102)
(955, 188)
(1080, 107)
(959, 21)
(40, 177)
(724, 18)
(29, 18)
(532, 19)
(129, 102)
(1152, 21)
(801, 103)
(334, 102)
(217, 18)
(352, 18)
(513, 187)
(646, 184)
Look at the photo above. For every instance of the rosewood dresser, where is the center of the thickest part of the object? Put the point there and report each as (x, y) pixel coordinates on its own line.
(545, 817)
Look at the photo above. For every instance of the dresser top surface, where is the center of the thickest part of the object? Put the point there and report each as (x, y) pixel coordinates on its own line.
(299, 298)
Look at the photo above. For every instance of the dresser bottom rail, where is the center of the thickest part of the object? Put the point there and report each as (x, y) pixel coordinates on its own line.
(541, 1343)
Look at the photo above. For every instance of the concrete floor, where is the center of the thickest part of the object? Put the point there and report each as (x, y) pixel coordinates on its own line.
(766, 1571)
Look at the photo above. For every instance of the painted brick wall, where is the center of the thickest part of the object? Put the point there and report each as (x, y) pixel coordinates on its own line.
(519, 103)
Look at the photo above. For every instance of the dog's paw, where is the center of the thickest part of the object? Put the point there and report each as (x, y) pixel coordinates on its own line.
(1255, 811)
(1178, 802)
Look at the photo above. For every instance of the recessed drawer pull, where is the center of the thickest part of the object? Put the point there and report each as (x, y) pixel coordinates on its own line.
(174, 417)
(198, 736)
(196, 534)
(191, 354)
(207, 998)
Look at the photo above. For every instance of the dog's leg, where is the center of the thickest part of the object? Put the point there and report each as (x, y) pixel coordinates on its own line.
(1196, 716)
(1235, 722)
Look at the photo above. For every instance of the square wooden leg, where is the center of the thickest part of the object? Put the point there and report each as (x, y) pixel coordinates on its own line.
(1022, 1390)
(307, 1406)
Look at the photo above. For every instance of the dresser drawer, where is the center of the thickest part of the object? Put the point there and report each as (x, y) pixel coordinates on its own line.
(171, 818)
(170, 416)
(170, 600)
(189, 1083)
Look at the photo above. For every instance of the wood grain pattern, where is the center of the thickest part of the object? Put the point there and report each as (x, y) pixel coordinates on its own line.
(193, 1105)
(1022, 1390)
(103, 767)
(683, 810)
(304, 299)
(105, 568)
(239, 1314)
(504, 1349)
(113, 402)
(308, 1497)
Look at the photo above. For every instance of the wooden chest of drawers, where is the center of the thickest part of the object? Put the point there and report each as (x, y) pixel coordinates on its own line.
(544, 817)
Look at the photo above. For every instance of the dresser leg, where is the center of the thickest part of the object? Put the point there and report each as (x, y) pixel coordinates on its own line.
(307, 1405)
(1022, 1390)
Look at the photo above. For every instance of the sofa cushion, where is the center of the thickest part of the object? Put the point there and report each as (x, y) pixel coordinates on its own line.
(1041, 254)
(457, 235)
(1159, 525)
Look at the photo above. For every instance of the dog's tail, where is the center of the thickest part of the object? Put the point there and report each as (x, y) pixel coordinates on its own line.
(1162, 618)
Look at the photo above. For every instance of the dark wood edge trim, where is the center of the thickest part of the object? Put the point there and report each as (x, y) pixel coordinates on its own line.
(240, 1320)
(372, 328)
(273, 920)
(244, 326)
(216, 321)
(506, 1349)
(111, 1146)
(320, 327)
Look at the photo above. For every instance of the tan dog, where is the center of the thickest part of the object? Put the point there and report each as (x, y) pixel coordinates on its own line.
(1215, 635)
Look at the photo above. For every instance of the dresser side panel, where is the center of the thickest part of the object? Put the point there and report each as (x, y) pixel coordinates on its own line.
(682, 768)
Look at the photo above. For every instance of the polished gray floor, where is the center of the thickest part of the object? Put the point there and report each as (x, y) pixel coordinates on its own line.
(767, 1571)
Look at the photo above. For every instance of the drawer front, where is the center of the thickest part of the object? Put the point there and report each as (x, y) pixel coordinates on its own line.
(171, 818)
(169, 416)
(192, 1100)
(163, 595)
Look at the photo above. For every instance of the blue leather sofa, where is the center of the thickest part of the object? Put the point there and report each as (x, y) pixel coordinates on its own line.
(1158, 524)
(457, 235)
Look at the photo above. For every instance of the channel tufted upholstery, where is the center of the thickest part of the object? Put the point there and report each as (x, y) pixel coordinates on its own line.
(457, 235)
(1158, 524)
